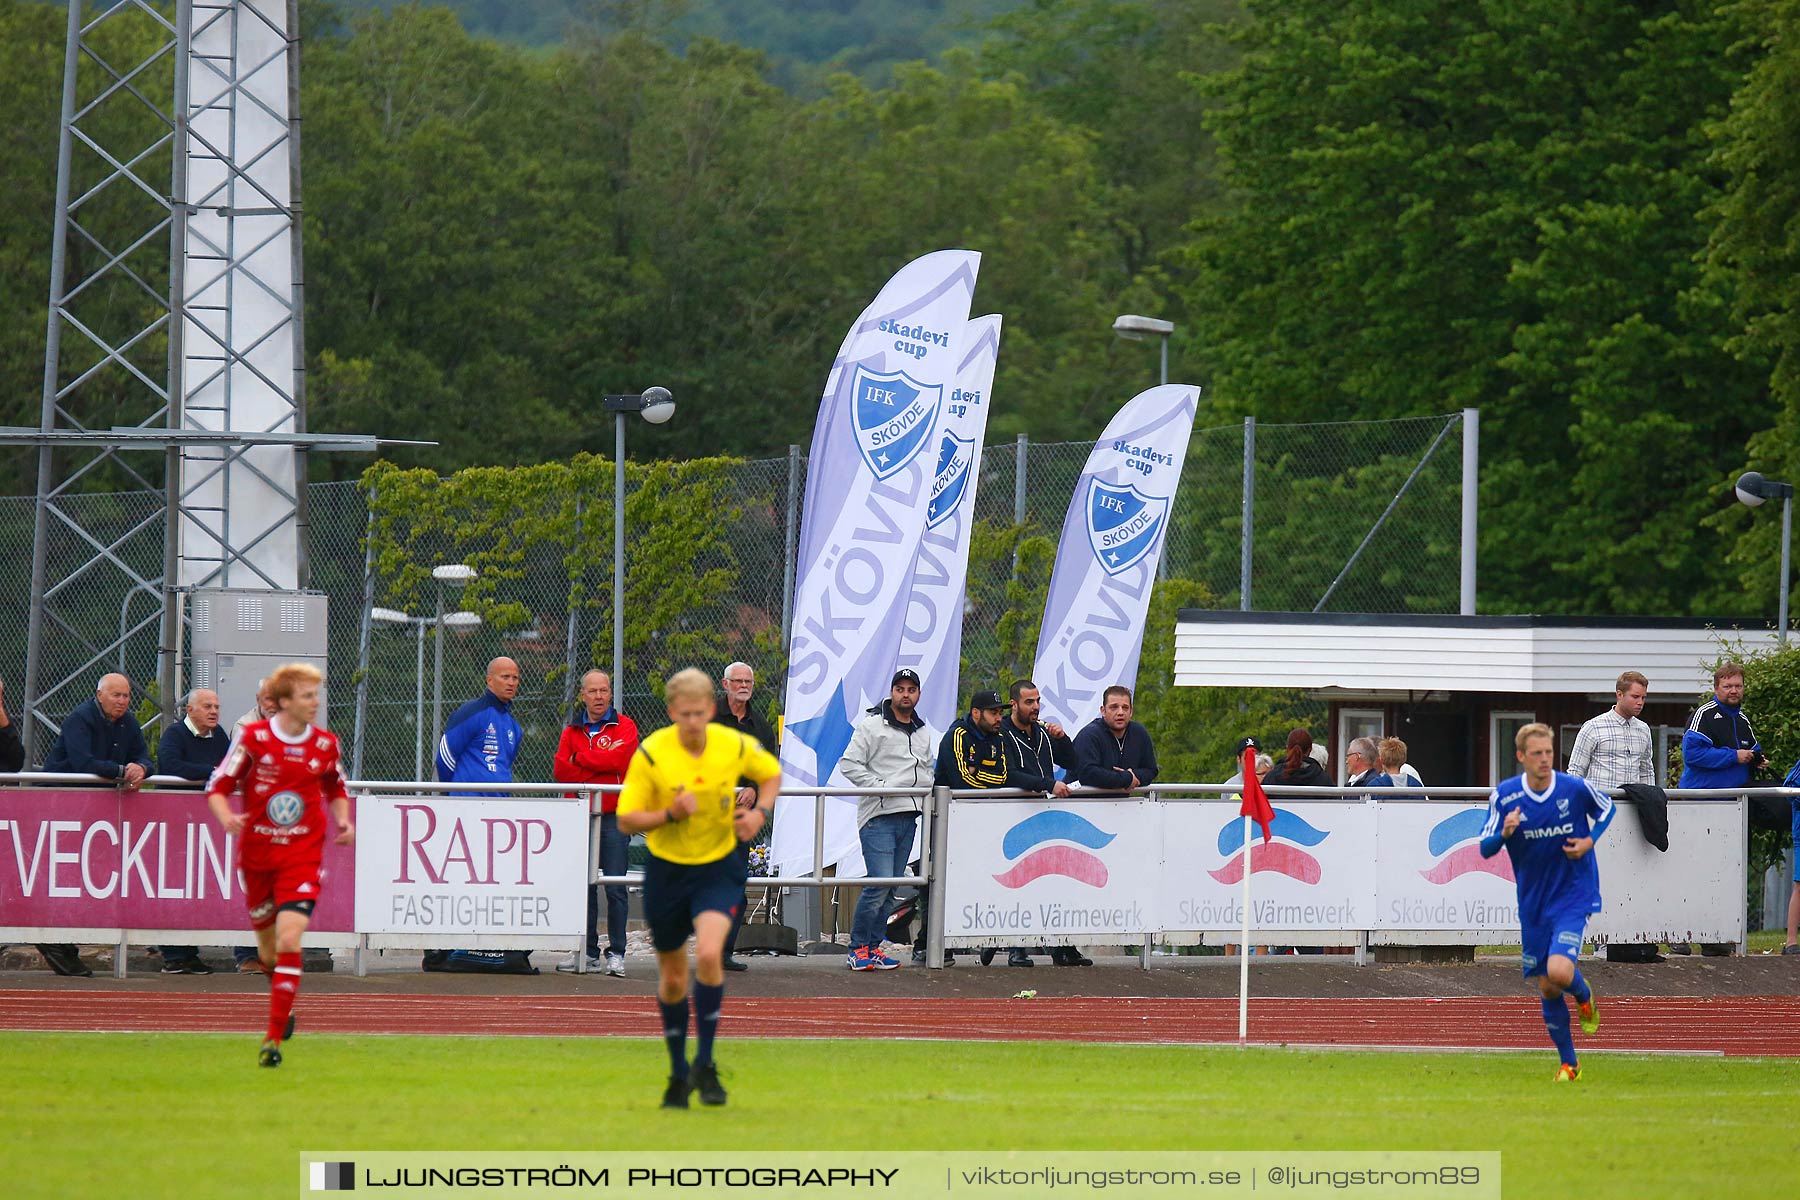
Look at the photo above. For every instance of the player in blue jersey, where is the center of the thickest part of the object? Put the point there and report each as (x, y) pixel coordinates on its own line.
(1548, 822)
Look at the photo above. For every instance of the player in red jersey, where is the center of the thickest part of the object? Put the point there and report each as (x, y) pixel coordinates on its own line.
(286, 771)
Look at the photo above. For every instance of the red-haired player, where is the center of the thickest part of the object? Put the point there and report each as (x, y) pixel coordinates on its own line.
(286, 771)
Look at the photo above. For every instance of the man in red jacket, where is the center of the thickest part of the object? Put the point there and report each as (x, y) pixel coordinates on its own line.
(596, 747)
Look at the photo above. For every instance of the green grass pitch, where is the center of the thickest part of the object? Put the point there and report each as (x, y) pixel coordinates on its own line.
(191, 1115)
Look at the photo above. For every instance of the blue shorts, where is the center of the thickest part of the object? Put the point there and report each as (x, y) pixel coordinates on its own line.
(1557, 934)
(1796, 832)
(676, 893)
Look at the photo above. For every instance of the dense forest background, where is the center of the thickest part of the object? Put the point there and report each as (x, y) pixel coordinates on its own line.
(1581, 218)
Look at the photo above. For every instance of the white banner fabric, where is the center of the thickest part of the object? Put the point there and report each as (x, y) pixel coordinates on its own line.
(868, 484)
(931, 636)
(1112, 539)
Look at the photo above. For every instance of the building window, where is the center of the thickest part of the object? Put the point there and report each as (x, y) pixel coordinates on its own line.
(1503, 727)
(1352, 724)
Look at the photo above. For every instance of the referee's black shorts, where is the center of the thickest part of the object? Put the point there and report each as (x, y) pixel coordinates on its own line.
(676, 893)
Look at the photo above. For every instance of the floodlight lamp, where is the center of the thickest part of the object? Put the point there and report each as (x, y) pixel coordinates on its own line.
(461, 619)
(453, 573)
(658, 405)
(391, 615)
(1135, 328)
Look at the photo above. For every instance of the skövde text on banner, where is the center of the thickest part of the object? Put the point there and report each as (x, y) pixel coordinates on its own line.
(868, 487)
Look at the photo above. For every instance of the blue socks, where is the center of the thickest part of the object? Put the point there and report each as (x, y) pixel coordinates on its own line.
(708, 999)
(675, 1023)
(1556, 1020)
(1578, 988)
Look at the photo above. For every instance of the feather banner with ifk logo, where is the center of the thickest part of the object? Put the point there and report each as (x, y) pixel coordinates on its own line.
(1112, 538)
(931, 636)
(869, 484)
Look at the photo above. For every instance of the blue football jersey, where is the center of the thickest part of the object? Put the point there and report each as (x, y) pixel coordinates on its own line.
(1548, 881)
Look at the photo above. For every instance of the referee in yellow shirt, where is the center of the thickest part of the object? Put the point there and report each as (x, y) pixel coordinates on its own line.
(680, 792)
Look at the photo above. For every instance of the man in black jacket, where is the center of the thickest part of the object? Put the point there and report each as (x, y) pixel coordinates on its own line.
(1113, 752)
(191, 748)
(1037, 749)
(739, 684)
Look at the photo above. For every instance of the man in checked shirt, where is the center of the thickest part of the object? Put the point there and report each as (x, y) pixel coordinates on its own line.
(1614, 749)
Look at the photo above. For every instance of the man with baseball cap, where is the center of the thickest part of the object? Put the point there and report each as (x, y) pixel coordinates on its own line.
(891, 747)
(973, 755)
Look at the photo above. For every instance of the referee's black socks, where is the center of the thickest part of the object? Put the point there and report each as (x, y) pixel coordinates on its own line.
(675, 1023)
(708, 999)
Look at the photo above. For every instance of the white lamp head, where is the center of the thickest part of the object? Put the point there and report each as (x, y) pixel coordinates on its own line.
(1750, 489)
(453, 573)
(659, 405)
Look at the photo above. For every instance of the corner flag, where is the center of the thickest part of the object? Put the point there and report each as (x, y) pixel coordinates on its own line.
(1256, 801)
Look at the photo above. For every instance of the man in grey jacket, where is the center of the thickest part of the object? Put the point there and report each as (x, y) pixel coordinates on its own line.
(891, 747)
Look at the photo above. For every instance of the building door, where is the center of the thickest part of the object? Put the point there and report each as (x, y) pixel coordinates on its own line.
(1440, 746)
(1352, 724)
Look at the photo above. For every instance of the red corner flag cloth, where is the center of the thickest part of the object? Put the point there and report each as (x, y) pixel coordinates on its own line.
(1256, 801)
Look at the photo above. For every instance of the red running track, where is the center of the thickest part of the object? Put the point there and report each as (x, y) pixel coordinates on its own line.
(1762, 1025)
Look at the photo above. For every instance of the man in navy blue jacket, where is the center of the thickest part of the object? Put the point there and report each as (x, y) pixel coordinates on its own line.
(1113, 752)
(1719, 750)
(102, 738)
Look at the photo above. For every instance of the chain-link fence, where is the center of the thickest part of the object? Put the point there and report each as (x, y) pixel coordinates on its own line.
(1318, 492)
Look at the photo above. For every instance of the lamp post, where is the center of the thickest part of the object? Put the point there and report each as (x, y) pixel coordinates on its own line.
(392, 616)
(656, 405)
(1752, 490)
(460, 574)
(1134, 328)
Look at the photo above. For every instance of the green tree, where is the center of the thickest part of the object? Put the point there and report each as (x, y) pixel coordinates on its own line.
(1754, 248)
(1493, 204)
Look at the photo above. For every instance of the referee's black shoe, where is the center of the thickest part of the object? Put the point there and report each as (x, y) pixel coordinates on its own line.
(676, 1094)
(705, 1081)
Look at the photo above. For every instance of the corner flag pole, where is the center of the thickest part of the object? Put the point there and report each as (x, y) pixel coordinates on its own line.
(1244, 944)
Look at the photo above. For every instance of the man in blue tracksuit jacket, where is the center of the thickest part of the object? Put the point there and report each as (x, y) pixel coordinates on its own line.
(481, 738)
(1719, 750)
(480, 742)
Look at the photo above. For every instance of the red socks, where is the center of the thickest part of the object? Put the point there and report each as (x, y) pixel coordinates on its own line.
(284, 985)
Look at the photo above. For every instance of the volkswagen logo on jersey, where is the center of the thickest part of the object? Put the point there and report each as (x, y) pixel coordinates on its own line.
(1040, 844)
(955, 454)
(894, 416)
(1455, 842)
(1122, 524)
(1283, 855)
(286, 808)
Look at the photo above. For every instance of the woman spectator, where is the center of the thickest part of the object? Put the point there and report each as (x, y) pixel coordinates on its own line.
(1298, 768)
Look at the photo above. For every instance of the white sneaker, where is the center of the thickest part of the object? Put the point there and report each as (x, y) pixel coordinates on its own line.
(572, 964)
(615, 965)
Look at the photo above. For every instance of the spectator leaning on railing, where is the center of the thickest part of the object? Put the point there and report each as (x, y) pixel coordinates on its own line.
(1113, 752)
(1038, 749)
(190, 749)
(596, 747)
(1719, 750)
(100, 738)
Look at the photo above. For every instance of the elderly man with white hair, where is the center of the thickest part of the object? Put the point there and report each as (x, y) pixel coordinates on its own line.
(191, 748)
(101, 738)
